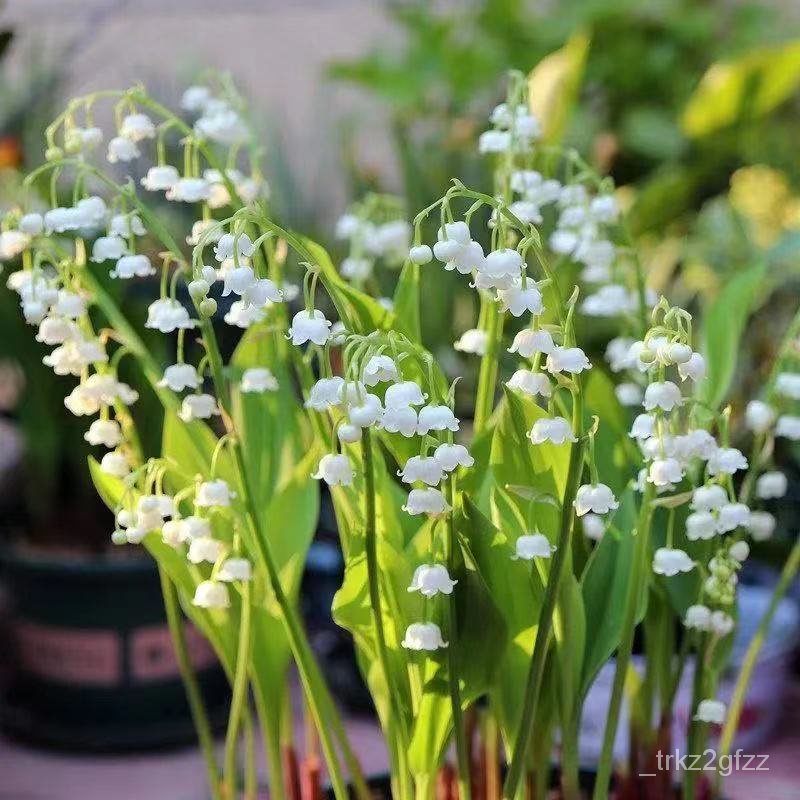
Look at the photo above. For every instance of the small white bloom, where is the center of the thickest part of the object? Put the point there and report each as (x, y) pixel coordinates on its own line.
(238, 280)
(664, 395)
(325, 393)
(12, 243)
(567, 359)
(167, 315)
(451, 456)
(179, 377)
(644, 427)
(55, 330)
(788, 427)
(205, 549)
(214, 493)
(696, 443)
(356, 269)
(597, 498)
(701, 525)
(349, 434)
(406, 393)
(698, 618)
(400, 420)
(771, 485)
(726, 461)
(759, 416)
(527, 343)
(517, 300)
(761, 525)
(474, 341)
(108, 248)
(533, 545)
(421, 468)
(739, 551)
(551, 429)
(121, 149)
(530, 383)
(593, 526)
(501, 269)
(243, 316)
(618, 354)
(198, 406)
(195, 98)
(732, 516)
(159, 179)
(258, 379)
(126, 224)
(431, 579)
(367, 412)
(137, 127)
(133, 266)
(104, 432)
(493, 141)
(211, 594)
(115, 464)
(423, 636)
(379, 369)
(189, 190)
(235, 569)
(629, 394)
(335, 470)
(32, 224)
(426, 501)
(708, 498)
(436, 418)
(711, 711)
(665, 472)
(69, 305)
(670, 562)
(788, 385)
(309, 327)
(420, 254)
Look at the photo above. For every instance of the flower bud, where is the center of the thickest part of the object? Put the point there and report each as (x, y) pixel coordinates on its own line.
(208, 307)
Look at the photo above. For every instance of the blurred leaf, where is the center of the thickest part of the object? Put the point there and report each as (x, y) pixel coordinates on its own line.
(652, 132)
(743, 89)
(406, 303)
(553, 86)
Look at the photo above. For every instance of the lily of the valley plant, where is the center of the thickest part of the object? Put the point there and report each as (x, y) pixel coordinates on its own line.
(500, 547)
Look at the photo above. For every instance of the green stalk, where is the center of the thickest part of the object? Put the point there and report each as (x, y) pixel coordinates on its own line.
(462, 750)
(487, 376)
(540, 647)
(193, 694)
(788, 574)
(570, 758)
(272, 745)
(395, 712)
(694, 736)
(239, 697)
(638, 573)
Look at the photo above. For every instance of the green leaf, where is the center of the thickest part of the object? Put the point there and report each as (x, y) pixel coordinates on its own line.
(724, 323)
(406, 302)
(745, 88)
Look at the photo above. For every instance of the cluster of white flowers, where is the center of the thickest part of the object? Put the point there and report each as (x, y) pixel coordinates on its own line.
(514, 129)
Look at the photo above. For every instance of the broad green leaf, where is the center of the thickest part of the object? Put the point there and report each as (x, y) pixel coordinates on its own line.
(724, 323)
(553, 86)
(741, 89)
(406, 302)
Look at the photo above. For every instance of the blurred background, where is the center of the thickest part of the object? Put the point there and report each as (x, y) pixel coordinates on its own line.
(692, 106)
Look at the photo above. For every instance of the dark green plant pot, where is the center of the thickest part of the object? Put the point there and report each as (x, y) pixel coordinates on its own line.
(91, 663)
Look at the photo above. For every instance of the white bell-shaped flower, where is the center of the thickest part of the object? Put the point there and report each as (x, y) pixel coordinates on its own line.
(167, 315)
(644, 427)
(665, 472)
(567, 359)
(335, 470)
(593, 526)
(771, 485)
(189, 190)
(669, 562)
(115, 464)
(436, 418)
(501, 269)
(325, 393)
(761, 525)
(597, 498)
(198, 406)
(732, 516)
(137, 127)
(379, 369)
(205, 549)
(31, 224)
(309, 327)
(213, 494)
(108, 248)
(739, 551)
(56, 330)
(726, 461)
(788, 385)
(423, 636)
(262, 293)
(665, 395)
(228, 244)
(533, 545)
(122, 150)
(431, 579)
(708, 498)
(426, 501)
(474, 341)
(235, 569)
(132, 266)
(238, 280)
(701, 525)
(405, 393)
(711, 711)
(618, 354)
(349, 434)
(258, 380)
(452, 239)
(421, 468)
(694, 369)
(528, 343)
(126, 224)
(159, 179)
(356, 269)
(366, 412)
(69, 305)
(211, 594)
(788, 427)
(759, 416)
(179, 377)
(104, 432)
(698, 618)
(530, 383)
(420, 254)
(516, 300)
(451, 456)
(551, 429)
